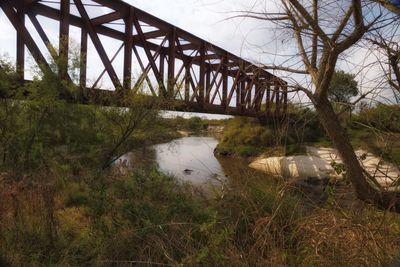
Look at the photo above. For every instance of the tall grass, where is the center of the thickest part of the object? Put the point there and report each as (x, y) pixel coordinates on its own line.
(146, 217)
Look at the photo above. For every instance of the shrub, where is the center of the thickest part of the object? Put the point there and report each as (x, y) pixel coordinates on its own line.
(195, 123)
(247, 137)
(382, 116)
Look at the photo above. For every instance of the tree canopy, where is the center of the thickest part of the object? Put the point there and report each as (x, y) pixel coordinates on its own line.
(343, 86)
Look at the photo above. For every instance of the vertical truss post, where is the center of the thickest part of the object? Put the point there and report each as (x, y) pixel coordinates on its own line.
(238, 87)
(202, 75)
(277, 100)
(83, 59)
(171, 61)
(258, 96)
(162, 73)
(64, 39)
(243, 87)
(208, 84)
(187, 80)
(127, 84)
(225, 83)
(238, 94)
(249, 90)
(243, 95)
(285, 98)
(21, 46)
(268, 99)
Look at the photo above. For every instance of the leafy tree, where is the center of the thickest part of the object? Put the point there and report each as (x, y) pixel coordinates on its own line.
(8, 79)
(342, 87)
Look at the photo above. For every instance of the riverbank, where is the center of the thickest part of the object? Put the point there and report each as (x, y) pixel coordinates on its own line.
(245, 137)
(145, 217)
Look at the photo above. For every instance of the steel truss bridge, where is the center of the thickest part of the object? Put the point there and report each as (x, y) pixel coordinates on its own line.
(193, 74)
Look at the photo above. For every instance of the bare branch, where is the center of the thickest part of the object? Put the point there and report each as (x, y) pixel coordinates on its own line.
(314, 25)
(358, 14)
(299, 40)
(314, 55)
(388, 5)
(342, 25)
(287, 69)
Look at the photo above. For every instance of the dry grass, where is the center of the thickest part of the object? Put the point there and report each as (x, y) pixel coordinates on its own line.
(256, 225)
(334, 238)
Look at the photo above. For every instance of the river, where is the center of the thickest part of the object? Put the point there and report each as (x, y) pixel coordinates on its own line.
(191, 159)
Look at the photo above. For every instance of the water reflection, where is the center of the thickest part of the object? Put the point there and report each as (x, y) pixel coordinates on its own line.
(191, 159)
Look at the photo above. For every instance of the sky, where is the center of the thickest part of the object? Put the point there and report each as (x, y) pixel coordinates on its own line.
(212, 21)
(208, 19)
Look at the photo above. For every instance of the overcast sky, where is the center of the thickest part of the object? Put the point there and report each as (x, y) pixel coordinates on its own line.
(210, 20)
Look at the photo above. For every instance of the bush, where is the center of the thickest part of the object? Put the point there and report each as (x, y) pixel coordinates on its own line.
(247, 137)
(45, 130)
(304, 126)
(195, 123)
(383, 117)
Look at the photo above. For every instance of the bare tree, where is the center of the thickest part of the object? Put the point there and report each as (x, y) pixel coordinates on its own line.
(324, 31)
(387, 42)
(390, 48)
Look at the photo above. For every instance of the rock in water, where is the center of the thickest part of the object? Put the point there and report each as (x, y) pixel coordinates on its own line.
(187, 171)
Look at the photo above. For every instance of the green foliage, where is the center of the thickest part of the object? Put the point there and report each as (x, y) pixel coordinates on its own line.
(383, 117)
(247, 137)
(43, 130)
(8, 79)
(304, 127)
(343, 86)
(340, 170)
(377, 129)
(193, 124)
(196, 123)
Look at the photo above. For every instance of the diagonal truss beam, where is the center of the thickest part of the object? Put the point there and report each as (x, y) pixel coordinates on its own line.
(97, 44)
(25, 36)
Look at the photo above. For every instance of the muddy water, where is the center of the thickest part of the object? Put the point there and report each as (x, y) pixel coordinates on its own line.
(191, 159)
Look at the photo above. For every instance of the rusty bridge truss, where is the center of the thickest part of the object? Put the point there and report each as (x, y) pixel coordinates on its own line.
(171, 62)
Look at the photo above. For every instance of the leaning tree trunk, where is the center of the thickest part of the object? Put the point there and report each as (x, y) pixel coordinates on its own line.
(363, 189)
